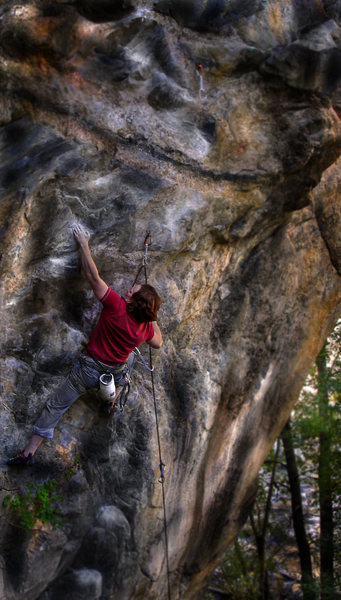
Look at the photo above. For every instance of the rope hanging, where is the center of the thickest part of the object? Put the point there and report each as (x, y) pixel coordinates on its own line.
(143, 268)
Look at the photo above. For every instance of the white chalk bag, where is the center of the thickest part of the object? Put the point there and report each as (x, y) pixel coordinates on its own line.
(107, 386)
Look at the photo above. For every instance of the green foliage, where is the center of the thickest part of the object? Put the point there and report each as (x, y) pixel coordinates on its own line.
(240, 568)
(73, 467)
(244, 566)
(312, 414)
(317, 415)
(239, 572)
(36, 504)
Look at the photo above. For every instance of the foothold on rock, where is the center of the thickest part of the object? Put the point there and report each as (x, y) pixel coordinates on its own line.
(112, 518)
(88, 582)
(165, 95)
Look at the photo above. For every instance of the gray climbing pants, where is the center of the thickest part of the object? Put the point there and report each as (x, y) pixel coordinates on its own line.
(84, 375)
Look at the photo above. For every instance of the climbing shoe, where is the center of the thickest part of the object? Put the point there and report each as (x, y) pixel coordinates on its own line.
(21, 459)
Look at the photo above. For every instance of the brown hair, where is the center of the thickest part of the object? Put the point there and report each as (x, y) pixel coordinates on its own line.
(144, 304)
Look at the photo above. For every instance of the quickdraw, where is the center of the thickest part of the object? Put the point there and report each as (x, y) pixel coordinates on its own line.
(140, 358)
(143, 267)
(146, 246)
(162, 472)
(200, 71)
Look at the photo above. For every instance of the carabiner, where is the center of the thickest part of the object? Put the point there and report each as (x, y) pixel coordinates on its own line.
(146, 246)
(148, 236)
(200, 70)
(162, 472)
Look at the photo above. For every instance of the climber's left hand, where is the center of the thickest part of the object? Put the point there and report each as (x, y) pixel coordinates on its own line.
(81, 235)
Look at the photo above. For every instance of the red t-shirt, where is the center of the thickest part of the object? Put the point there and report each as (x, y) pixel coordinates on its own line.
(117, 333)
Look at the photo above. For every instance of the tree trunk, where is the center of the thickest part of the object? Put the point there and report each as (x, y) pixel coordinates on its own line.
(260, 534)
(325, 485)
(309, 593)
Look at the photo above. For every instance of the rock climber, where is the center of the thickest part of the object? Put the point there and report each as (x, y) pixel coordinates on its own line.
(124, 324)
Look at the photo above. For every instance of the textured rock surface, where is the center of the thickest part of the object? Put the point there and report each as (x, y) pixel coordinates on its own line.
(103, 123)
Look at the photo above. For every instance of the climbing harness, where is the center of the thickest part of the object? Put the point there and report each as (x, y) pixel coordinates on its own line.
(143, 267)
(123, 397)
(121, 401)
(107, 386)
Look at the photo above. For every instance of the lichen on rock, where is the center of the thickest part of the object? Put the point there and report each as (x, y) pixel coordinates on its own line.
(103, 123)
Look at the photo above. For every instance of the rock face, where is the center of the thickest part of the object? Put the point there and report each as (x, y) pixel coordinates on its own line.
(214, 125)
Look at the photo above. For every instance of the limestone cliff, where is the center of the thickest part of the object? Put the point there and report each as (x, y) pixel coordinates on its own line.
(215, 125)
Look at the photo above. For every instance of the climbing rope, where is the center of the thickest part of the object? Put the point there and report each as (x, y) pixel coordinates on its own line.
(143, 268)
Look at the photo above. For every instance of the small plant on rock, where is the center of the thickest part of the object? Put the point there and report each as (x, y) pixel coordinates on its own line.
(73, 467)
(36, 505)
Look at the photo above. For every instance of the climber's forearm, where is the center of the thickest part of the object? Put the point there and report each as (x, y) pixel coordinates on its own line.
(156, 341)
(88, 264)
(91, 272)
